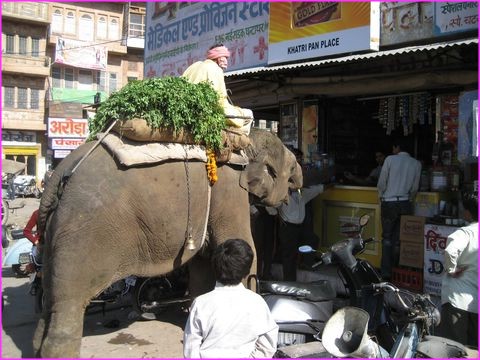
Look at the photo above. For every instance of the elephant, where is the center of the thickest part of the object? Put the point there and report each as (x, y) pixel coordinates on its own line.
(103, 222)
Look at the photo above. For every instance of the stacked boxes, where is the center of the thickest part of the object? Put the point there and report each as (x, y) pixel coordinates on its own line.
(411, 241)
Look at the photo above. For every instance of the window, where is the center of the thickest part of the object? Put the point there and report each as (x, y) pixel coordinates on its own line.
(101, 81)
(131, 78)
(113, 29)
(68, 78)
(86, 26)
(84, 80)
(22, 98)
(8, 97)
(57, 21)
(112, 82)
(34, 99)
(70, 23)
(56, 77)
(22, 45)
(10, 44)
(102, 27)
(133, 65)
(35, 47)
(136, 27)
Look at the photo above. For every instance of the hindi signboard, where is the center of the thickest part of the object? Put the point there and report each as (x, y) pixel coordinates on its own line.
(451, 17)
(67, 128)
(304, 30)
(81, 54)
(179, 34)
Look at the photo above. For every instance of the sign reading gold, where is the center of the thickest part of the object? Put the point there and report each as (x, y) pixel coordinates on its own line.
(310, 13)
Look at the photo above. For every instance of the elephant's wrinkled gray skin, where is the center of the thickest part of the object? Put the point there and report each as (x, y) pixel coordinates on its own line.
(111, 222)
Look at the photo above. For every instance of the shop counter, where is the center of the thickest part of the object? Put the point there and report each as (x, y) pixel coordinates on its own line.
(337, 210)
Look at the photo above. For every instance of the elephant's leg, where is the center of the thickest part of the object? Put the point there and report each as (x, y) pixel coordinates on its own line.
(64, 333)
(201, 278)
(39, 334)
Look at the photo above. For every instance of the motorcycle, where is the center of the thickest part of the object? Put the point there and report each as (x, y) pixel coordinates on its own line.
(302, 309)
(147, 295)
(346, 332)
(25, 185)
(18, 253)
(380, 311)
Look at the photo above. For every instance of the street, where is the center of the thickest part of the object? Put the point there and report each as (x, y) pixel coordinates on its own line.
(116, 334)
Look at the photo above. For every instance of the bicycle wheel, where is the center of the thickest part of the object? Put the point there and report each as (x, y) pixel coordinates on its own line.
(5, 209)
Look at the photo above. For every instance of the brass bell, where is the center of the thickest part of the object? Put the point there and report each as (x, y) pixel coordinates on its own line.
(190, 243)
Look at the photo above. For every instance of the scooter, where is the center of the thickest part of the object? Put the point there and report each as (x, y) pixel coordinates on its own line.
(379, 311)
(302, 309)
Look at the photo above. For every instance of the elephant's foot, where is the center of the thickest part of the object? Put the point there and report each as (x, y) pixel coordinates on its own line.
(38, 337)
(64, 332)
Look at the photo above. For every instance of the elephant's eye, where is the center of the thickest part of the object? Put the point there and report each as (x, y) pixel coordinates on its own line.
(270, 171)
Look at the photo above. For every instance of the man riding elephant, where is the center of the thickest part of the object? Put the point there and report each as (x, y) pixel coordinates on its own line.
(211, 70)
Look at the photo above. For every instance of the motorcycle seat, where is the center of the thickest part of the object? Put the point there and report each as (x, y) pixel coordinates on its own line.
(320, 290)
(17, 234)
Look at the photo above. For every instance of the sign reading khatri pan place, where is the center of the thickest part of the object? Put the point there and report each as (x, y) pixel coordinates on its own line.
(305, 30)
(180, 33)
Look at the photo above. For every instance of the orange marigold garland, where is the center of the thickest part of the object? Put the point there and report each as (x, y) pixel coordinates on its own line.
(211, 167)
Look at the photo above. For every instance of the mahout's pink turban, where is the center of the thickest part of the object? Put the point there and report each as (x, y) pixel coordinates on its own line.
(217, 52)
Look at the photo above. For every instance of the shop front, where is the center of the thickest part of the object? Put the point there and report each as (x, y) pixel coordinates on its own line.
(342, 109)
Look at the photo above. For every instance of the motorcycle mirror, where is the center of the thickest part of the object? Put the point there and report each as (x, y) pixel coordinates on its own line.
(306, 249)
(364, 220)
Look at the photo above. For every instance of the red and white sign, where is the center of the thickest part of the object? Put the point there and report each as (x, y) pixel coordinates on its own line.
(60, 154)
(434, 256)
(67, 128)
(66, 143)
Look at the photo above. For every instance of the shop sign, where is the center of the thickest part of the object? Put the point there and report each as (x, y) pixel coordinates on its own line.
(452, 17)
(405, 22)
(179, 34)
(65, 109)
(67, 128)
(434, 256)
(65, 143)
(60, 154)
(304, 30)
(81, 54)
(19, 136)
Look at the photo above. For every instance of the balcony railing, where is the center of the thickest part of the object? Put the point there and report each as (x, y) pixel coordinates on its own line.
(26, 10)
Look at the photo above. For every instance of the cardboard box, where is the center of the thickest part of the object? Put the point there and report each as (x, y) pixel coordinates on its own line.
(411, 229)
(411, 254)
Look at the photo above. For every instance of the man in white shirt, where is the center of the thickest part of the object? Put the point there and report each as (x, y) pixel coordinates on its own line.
(230, 321)
(397, 187)
(460, 281)
(292, 216)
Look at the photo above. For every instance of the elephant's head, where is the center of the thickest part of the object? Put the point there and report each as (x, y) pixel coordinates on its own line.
(272, 170)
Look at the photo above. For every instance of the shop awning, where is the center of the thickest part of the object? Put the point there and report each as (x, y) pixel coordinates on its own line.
(353, 58)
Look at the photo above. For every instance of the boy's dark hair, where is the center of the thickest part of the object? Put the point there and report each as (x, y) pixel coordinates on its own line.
(470, 202)
(231, 261)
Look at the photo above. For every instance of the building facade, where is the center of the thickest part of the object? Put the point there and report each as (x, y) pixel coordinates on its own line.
(59, 59)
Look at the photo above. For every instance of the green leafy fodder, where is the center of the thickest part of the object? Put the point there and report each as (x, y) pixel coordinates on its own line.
(166, 102)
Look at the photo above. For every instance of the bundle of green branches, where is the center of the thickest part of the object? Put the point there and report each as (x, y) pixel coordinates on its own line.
(166, 102)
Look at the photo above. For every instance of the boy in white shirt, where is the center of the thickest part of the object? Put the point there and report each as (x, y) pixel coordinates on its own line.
(230, 321)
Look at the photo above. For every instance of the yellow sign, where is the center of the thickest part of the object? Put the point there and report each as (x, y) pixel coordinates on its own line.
(317, 29)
